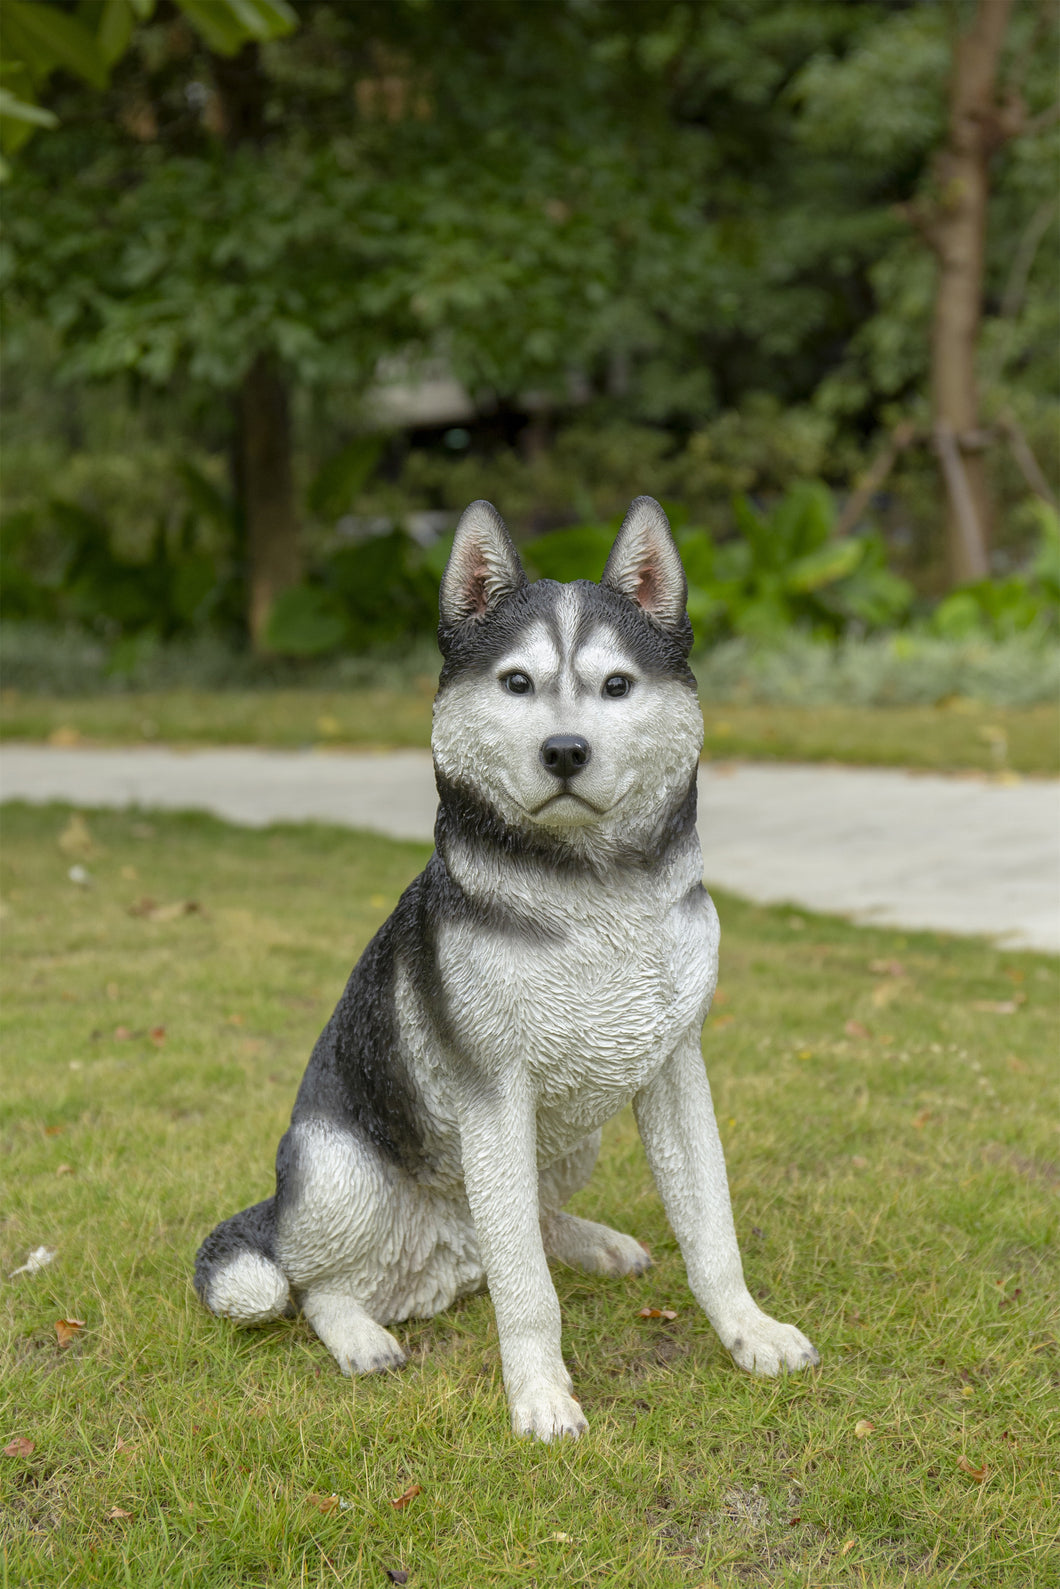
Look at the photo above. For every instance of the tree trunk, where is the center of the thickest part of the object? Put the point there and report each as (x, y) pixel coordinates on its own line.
(262, 454)
(269, 516)
(957, 231)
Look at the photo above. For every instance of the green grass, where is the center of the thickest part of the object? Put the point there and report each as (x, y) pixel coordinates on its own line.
(894, 1190)
(959, 735)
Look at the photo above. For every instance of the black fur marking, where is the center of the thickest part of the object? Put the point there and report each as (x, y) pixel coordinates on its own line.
(454, 904)
(356, 1073)
(462, 815)
(677, 823)
(475, 644)
(253, 1230)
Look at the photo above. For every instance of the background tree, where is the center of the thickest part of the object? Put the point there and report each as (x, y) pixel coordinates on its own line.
(448, 194)
(698, 265)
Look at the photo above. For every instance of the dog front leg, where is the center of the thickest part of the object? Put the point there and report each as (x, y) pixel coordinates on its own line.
(680, 1135)
(499, 1148)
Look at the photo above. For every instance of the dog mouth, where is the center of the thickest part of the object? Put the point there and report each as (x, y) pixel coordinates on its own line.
(566, 794)
(569, 794)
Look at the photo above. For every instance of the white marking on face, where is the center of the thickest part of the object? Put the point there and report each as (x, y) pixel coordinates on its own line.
(642, 745)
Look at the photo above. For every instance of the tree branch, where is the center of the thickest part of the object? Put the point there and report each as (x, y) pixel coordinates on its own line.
(901, 437)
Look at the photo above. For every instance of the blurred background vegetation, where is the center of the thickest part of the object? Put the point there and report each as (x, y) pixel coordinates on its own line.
(286, 285)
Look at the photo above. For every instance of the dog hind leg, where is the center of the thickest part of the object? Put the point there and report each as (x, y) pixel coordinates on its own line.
(582, 1243)
(236, 1274)
(598, 1250)
(357, 1343)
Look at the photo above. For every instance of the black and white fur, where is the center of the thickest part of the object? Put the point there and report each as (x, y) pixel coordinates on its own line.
(554, 961)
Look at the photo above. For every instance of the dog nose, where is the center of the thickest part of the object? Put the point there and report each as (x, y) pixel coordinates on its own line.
(565, 754)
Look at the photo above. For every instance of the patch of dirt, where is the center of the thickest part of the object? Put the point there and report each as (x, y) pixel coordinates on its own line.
(1030, 1169)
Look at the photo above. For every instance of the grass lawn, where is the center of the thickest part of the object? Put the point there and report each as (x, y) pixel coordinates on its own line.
(886, 1105)
(960, 735)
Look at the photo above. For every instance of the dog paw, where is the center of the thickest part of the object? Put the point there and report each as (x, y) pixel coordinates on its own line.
(619, 1254)
(382, 1355)
(357, 1343)
(763, 1346)
(593, 1248)
(547, 1414)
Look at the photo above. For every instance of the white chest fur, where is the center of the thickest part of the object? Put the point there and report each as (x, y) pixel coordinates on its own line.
(588, 989)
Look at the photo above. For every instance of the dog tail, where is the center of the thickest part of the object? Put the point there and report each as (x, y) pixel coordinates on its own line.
(236, 1273)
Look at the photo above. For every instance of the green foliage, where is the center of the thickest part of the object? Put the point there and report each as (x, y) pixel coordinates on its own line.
(376, 593)
(1001, 608)
(304, 622)
(180, 587)
(344, 475)
(577, 553)
(41, 38)
(785, 570)
(782, 570)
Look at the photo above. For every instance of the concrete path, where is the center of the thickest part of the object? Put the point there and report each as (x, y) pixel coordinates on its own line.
(959, 855)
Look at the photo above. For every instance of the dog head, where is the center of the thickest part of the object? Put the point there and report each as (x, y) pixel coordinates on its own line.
(569, 711)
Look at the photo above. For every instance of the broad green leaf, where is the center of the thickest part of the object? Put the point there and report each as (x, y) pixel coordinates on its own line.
(343, 476)
(226, 25)
(56, 36)
(216, 24)
(825, 566)
(115, 29)
(265, 19)
(305, 622)
(19, 110)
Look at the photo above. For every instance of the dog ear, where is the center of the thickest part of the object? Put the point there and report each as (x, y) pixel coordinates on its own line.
(483, 566)
(645, 564)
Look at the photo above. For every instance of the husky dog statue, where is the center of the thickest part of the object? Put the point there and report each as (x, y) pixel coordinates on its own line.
(555, 961)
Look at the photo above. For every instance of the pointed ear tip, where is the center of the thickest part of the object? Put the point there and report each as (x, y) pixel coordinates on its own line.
(478, 510)
(647, 509)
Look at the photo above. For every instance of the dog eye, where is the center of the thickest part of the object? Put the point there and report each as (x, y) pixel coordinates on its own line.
(518, 684)
(617, 685)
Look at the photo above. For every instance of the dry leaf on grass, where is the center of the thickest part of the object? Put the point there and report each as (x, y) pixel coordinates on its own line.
(67, 1330)
(848, 1547)
(39, 1258)
(863, 1427)
(855, 1029)
(563, 1539)
(157, 1034)
(115, 1513)
(75, 840)
(149, 910)
(657, 1313)
(406, 1496)
(885, 993)
(19, 1447)
(978, 1474)
(920, 1120)
(323, 1503)
(887, 968)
